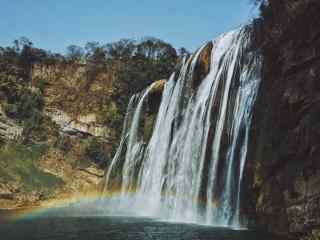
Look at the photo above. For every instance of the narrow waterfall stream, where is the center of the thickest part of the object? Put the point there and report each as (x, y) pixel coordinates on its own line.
(192, 167)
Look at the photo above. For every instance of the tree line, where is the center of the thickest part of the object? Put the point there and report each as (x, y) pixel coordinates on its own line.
(137, 64)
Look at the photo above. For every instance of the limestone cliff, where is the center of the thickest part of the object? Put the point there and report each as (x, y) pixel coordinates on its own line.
(76, 142)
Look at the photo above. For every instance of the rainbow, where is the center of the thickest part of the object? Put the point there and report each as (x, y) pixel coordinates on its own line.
(45, 208)
(16, 214)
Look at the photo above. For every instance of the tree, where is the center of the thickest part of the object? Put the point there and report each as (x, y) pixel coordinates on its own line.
(96, 60)
(123, 49)
(141, 64)
(22, 42)
(30, 56)
(74, 53)
(91, 48)
(183, 52)
(259, 2)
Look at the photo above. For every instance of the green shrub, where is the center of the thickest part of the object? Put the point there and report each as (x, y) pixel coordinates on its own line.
(11, 109)
(95, 152)
(29, 104)
(112, 117)
(41, 84)
(24, 104)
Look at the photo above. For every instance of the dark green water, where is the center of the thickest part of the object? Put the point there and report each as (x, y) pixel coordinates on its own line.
(116, 228)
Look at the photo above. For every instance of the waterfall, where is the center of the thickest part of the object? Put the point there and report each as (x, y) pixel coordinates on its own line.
(192, 167)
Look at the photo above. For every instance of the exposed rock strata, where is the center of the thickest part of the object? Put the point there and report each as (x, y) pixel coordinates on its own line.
(83, 124)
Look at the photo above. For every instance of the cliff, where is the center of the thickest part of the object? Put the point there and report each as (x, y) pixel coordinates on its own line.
(283, 165)
(78, 123)
(66, 151)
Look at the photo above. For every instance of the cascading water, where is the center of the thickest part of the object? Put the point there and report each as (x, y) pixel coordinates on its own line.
(192, 167)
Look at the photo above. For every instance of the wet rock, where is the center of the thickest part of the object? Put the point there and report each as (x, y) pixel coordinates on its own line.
(158, 86)
(155, 96)
(202, 67)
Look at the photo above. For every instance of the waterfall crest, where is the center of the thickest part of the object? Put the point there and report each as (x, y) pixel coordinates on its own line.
(192, 167)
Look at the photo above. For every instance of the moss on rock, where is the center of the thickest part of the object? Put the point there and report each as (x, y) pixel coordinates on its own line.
(17, 166)
(158, 86)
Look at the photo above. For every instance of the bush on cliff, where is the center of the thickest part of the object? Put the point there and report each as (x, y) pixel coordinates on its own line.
(26, 106)
(111, 115)
(96, 153)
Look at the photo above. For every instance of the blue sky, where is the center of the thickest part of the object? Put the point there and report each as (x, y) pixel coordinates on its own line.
(55, 24)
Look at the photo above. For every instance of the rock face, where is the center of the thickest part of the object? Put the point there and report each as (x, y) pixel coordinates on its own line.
(74, 102)
(84, 178)
(83, 124)
(284, 152)
(66, 87)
